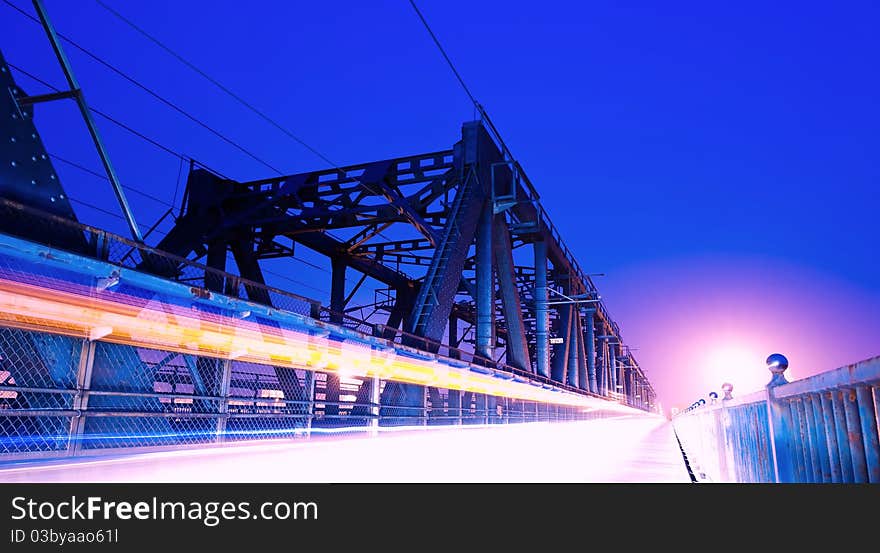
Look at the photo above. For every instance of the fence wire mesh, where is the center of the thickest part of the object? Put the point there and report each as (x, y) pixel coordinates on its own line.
(65, 395)
(135, 397)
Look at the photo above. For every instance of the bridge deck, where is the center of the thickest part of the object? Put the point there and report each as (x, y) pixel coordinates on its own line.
(622, 449)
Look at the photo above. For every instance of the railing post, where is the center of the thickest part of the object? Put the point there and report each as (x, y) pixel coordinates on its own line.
(779, 418)
(81, 397)
(375, 398)
(726, 460)
(311, 406)
(225, 378)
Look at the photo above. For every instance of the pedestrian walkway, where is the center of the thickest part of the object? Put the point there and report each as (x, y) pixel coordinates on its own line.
(622, 449)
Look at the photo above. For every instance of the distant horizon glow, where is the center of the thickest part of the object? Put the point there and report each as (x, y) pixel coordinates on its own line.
(702, 321)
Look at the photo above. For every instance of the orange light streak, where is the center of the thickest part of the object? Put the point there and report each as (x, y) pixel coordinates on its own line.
(36, 308)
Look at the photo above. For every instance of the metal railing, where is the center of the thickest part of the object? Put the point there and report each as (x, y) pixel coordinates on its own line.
(821, 429)
(83, 239)
(65, 234)
(67, 394)
(139, 399)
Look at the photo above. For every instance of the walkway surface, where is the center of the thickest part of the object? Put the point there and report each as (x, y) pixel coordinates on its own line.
(623, 449)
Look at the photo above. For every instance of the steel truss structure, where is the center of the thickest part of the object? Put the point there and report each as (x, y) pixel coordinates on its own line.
(466, 263)
(447, 233)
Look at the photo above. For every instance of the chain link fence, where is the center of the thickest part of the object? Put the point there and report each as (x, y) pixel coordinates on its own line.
(78, 392)
(137, 397)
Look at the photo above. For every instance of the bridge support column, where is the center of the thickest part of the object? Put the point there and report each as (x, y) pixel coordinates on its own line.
(590, 342)
(542, 316)
(560, 351)
(583, 384)
(511, 304)
(485, 299)
(337, 307)
(573, 348)
(454, 396)
(612, 366)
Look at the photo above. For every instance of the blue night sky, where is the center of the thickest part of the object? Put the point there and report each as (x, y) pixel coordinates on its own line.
(717, 160)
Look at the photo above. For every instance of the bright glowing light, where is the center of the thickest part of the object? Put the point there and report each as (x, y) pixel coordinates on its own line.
(638, 448)
(730, 359)
(733, 362)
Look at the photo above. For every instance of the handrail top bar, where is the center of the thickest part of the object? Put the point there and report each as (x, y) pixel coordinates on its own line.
(861, 372)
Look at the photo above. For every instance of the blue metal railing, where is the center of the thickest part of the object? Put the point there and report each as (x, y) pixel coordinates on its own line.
(818, 429)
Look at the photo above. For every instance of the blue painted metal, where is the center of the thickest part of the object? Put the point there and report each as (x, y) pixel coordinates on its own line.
(80, 98)
(573, 339)
(583, 383)
(820, 443)
(485, 300)
(854, 435)
(542, 316)
(802, 436)
(560, 351)
(868, 419)
(846, 465)
(434, 301)
(173, 293)
(820, 429)
(590, 342)
(612, 367)
(511, 304)
(26, 172)
(829, 423)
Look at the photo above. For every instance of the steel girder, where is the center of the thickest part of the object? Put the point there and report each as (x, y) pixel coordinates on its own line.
(414, 224)
(26, 172)
(430, 204)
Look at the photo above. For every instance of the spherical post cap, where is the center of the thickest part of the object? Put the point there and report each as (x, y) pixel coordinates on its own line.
(777, 363)
(727, 388)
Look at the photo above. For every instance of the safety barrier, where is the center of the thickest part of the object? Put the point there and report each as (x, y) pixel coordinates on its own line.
(819, 429)
(96, 355)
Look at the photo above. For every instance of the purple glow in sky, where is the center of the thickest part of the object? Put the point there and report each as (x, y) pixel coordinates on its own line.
(700, 321)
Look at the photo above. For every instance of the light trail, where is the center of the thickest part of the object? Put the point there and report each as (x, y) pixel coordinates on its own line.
(118, 318)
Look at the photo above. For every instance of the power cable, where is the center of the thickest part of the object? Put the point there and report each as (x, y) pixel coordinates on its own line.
(151, 92)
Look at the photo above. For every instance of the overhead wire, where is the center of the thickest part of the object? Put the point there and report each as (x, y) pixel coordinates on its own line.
(100, 113)
(135, 190)
(479, 107)
(240, 100)
(104, 177)
(151, 92)
(183, 112)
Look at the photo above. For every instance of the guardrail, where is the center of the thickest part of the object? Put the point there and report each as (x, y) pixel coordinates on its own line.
(94, 357)
(82, 239)
(818, 429)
